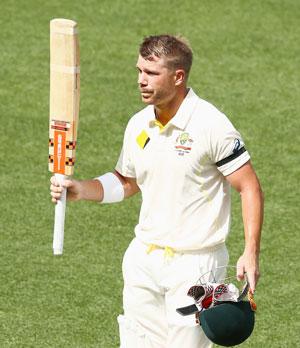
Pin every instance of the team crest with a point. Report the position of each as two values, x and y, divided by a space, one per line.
183 144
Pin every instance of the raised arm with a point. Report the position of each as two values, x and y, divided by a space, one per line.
91 190
245 181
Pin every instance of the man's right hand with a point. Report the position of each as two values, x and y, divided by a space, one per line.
90 190
73 189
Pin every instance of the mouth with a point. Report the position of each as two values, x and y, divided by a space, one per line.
146 96
145 92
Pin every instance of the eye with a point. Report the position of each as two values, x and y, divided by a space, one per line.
152 73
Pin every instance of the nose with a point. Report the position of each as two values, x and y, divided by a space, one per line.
142 81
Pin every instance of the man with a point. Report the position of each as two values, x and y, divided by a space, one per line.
183 155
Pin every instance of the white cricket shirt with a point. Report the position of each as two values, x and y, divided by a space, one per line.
180 171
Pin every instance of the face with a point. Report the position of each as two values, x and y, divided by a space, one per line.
157 82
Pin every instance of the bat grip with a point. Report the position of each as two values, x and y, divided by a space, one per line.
59 221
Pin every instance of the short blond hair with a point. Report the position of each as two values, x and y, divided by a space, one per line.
174 49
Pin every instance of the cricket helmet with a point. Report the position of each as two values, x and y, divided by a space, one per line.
228 323
225 317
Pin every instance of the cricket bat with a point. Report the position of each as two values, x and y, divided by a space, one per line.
64 112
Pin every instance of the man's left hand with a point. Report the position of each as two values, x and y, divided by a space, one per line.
249 264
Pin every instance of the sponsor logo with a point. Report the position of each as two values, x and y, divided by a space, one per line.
59 151
59 155
237 145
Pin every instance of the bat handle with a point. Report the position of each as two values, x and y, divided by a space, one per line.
59 221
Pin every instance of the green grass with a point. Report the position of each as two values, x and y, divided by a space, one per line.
246 63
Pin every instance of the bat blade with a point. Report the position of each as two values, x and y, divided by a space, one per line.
64 112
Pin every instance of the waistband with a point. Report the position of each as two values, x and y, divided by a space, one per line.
170 251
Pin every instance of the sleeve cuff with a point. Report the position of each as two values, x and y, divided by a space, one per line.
126 173
235 164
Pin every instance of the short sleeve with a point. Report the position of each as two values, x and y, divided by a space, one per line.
227 148
125 165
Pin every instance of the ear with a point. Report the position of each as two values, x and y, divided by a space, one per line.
179 77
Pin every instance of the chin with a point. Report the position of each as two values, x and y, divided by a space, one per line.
147 101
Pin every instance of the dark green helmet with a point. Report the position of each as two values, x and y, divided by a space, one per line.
228 323
219 306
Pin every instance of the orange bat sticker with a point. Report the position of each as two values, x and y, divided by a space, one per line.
59 160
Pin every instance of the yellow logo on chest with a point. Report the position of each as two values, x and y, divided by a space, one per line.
183 144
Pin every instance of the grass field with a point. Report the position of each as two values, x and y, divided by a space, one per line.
246 63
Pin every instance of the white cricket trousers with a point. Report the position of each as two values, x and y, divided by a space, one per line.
155 284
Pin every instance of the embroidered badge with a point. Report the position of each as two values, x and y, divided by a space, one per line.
183 144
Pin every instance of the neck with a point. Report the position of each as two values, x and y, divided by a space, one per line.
164 113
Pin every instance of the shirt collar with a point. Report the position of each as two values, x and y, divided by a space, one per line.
183 114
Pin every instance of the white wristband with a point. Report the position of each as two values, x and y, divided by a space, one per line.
113 190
